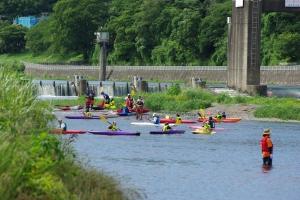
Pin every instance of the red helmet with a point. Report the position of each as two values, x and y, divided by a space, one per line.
102 92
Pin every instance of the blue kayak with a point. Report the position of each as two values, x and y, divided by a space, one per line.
126 114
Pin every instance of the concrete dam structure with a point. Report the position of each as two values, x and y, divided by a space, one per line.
244 37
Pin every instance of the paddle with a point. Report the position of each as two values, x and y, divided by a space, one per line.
132 93
104 119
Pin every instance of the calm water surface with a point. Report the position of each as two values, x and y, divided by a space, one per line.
225 165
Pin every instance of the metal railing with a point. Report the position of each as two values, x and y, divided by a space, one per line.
149 68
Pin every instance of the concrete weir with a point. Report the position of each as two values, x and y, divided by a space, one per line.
244 37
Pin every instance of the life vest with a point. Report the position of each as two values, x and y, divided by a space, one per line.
140 102
219 117
113 128
211 124
65 128
157 120
89 114
166 128
264 145
206 127
178 120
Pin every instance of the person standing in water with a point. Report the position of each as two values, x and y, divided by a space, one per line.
266 148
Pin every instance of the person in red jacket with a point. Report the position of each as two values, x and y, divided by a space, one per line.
266 148
87 103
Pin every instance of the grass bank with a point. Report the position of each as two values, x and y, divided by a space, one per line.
36 164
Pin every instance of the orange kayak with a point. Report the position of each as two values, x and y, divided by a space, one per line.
226 120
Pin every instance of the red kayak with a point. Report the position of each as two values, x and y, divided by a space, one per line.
145 110
173 121
57 131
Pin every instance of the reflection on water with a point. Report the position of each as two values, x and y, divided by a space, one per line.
225 165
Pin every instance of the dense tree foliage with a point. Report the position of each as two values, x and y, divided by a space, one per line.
153 32
15 8
12 38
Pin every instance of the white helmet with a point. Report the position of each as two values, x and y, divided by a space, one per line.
154 114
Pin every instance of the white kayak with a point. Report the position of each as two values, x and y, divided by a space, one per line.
149 124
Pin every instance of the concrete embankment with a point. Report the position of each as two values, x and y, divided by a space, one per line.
266 76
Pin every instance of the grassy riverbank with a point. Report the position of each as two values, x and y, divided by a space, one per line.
36 164
185 100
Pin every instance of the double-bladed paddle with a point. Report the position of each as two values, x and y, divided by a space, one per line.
104 119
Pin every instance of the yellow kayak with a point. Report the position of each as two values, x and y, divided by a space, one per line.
203 131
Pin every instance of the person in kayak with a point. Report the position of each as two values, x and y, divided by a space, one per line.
88 114
211 123
223 115
156 119
166 127
106 97
125 109
61 125
206 125
266 148
178 119
112 104
113 126
218 116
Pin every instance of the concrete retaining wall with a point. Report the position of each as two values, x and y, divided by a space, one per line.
267 77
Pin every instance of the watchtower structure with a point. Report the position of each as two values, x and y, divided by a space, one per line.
244 36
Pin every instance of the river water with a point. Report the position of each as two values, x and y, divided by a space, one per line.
225 165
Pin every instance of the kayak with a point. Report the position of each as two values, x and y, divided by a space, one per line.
148 124
200 127
126 114
227 120
172 131
114 132
203 131
145 110
184 121
57 131
71 108
97 108
93 117
217 120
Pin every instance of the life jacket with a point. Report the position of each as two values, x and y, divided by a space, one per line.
178 120
166 128
157 121
206 127
211 124
140 102
219 117
65 128
113 128
264 145
89 114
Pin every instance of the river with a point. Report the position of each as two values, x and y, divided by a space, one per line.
225 165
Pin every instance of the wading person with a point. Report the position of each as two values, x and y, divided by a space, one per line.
139 109
266 148
61 125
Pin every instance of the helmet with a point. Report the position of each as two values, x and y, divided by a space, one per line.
223 113
102 92
154 114
210 118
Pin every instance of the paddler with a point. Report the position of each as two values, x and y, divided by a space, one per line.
218 116
61 125
166 127
266 148
206 126
113 126
156 119
178 119
88 114
211 123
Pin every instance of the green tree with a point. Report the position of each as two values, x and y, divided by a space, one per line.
287 47
14 8
38 38
12 38
73 25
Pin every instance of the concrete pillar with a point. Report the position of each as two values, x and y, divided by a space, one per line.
102 71
82 88
142 86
